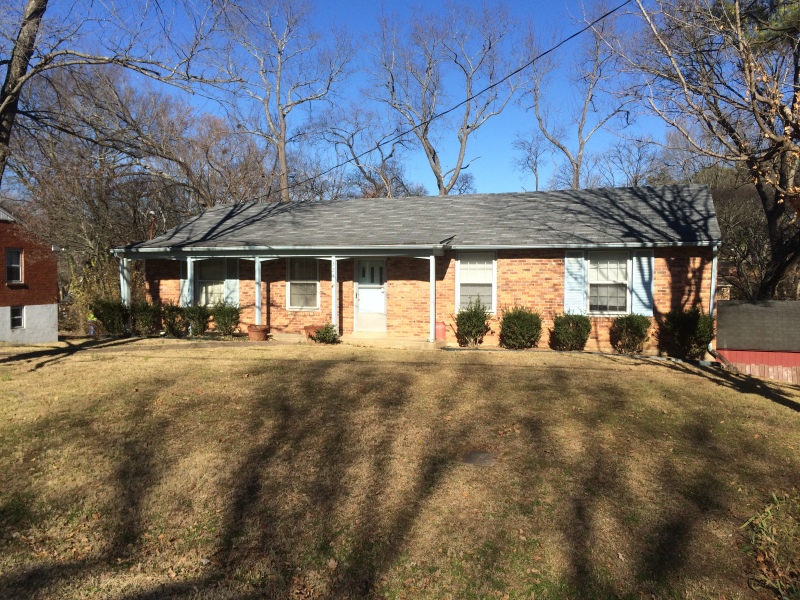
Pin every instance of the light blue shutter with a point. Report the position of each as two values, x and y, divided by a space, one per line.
642 283
184 299
232 281
574 282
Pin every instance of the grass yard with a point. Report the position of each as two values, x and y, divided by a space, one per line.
143 470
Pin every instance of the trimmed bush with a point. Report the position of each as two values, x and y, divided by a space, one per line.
520 327
226 317
472 323
145 318
690 332
629 333
570 332
198 317
113 314
175 322
326 334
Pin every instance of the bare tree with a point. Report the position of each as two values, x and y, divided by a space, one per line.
628 163
278 64
569 137
147 131
532 149
460 49
372 146
731 72
39 39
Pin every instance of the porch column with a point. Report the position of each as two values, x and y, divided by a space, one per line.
190 280
125 281
334 293
432 260
258 290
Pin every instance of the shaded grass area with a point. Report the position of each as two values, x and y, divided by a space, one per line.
153 470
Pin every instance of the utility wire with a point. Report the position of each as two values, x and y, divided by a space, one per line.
404 133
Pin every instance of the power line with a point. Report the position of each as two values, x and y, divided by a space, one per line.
404 133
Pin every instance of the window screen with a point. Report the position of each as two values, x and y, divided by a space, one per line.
608 281
210 281
475 279
17 317
13 266
303 283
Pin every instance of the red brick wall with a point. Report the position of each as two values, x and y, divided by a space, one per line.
39 268
533 278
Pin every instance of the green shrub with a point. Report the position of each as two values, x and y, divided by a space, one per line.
198 316
175 322
113 314
145 318
775 541
690 332
629 333
520 327
226 317
326 334
570 332
472 323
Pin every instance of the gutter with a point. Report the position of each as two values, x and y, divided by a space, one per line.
437 249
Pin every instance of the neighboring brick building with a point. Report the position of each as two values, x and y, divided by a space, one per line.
29 293
403 264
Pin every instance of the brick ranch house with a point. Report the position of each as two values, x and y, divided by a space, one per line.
29 294
397 266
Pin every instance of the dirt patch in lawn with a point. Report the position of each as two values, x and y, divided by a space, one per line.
181 470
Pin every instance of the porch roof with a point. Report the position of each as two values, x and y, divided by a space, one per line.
609 217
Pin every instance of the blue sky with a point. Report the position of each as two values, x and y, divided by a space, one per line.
494 170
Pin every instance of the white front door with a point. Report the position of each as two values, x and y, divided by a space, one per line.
370 304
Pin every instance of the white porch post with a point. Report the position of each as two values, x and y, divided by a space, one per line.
432 260
125 281
258 290
190 280
334 293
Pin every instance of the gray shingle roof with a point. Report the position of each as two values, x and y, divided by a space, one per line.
769 325
613 216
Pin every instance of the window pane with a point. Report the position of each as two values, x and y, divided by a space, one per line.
211 292
13 265
17 317
474 291
476 268
303 295
608 267
608 297
302 269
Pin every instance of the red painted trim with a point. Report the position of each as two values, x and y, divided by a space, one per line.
761 357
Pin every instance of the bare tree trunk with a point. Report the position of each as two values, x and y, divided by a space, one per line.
21 55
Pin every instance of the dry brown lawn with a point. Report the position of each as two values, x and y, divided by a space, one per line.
153 469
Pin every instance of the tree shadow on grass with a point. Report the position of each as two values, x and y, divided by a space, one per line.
52 355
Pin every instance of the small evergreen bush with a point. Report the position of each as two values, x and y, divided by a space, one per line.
520 327
472 323
113 314
570 332
175 322
629 333
198 316
226 317
145 318
326 334
690 331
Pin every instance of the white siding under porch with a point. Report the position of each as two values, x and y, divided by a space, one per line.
40 325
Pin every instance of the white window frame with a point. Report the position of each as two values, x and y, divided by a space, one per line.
289 282
494 278
600 313
11 317
198 283
21 254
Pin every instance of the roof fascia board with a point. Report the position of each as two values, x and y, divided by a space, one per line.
464 247
275 252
